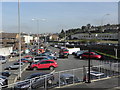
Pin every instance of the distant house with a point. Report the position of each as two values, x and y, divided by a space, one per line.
54 37
11 40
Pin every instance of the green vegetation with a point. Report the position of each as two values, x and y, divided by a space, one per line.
107 55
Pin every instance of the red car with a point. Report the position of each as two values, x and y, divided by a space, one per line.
92 55
64 52
51 64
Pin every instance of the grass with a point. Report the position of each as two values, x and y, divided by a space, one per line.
107 55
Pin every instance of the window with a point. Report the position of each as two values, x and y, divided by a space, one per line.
45 62
86 53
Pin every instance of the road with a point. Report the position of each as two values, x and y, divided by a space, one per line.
68 63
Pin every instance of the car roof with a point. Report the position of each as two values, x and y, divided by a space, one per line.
4 77
95 73
48 60
66 75
39 73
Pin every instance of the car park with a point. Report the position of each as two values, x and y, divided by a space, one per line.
67 78
92 55
43 64
35 81
3 59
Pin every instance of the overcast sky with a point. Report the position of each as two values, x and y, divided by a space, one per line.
57 15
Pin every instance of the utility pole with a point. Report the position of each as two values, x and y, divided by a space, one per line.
19 30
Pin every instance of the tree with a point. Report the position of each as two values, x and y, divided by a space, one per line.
62 31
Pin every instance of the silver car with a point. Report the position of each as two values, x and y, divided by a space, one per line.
3 59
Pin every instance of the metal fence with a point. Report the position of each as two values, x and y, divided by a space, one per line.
103 69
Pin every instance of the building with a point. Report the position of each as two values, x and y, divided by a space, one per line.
28 39
54 37
100 36
11 40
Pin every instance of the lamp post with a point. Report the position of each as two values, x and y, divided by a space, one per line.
37 21
65 38
102 20
19 30
89 81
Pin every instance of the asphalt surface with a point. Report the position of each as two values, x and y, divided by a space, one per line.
106 84
72 63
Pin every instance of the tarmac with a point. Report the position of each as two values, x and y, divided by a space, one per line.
109 83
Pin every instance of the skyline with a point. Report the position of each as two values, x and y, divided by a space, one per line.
58 15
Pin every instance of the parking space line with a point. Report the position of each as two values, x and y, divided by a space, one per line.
62 59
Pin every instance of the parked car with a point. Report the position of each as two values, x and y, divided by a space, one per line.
36 80
79 53
3 81
96 75
93 55
3 59
68 79
64 53
51 64
25 60
7 74
28 57
39 58
15 65
49 56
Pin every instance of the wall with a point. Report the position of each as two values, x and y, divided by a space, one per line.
6 51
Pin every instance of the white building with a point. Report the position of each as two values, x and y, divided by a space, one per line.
100 36
27 38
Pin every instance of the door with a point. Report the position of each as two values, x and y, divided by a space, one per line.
44 64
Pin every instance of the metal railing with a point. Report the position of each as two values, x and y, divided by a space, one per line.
62 78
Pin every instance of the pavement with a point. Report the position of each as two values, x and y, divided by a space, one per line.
110 83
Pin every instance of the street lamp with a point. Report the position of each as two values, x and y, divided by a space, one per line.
19 30
37 21
89 81
65 38
102 20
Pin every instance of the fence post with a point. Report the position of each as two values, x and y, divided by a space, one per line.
30 83
115 52
45 82
59 79
73 76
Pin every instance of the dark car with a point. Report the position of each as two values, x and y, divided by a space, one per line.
63 53
68 79
79 53
25 60
7 74
3 81
49 56
37 80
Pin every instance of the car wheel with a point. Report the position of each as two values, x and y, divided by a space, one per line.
35 68
80 57
49 82
51 68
